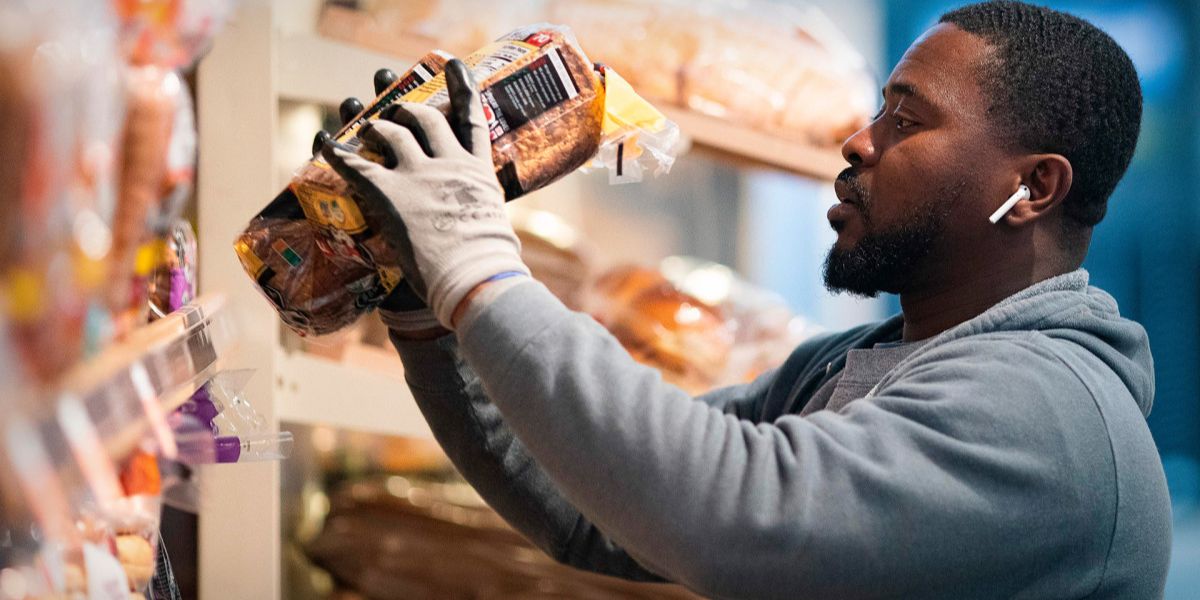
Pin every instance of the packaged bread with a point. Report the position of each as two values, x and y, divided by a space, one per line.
545 103
317 282
688 341
648 42
153 94
314 261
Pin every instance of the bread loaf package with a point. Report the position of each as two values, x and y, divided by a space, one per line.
545 103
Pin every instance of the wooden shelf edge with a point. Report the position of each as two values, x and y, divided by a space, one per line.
756 146
365 391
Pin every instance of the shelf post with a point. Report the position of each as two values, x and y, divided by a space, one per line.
239 536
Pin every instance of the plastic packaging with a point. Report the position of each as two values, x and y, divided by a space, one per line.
696 321
253 447
637 137
780 68
170 33
688 340
58 66
765 329
154 93
222 427
547 112
172 284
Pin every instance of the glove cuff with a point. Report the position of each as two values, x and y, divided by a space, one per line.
446 294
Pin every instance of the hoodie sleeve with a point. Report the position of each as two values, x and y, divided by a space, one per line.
471 432
979 472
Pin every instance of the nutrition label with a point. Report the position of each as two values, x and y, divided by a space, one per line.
522 96
483 64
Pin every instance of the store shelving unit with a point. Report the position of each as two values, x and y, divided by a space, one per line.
125 392
269 57
314 69
131 386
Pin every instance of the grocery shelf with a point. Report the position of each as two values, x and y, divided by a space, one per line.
128 388
364 390
316 68
757 146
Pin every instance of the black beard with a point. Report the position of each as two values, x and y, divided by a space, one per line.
889 261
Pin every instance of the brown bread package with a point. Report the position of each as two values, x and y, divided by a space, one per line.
545 104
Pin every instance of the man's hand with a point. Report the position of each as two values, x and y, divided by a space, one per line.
402 311
442 184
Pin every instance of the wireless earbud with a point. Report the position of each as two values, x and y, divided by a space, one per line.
1022 194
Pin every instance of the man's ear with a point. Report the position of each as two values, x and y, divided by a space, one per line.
1048 177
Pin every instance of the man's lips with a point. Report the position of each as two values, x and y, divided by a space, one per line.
840 213
845 192
849 205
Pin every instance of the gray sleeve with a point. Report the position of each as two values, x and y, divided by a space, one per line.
977 474
470 429
743 401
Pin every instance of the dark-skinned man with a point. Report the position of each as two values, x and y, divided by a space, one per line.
988 442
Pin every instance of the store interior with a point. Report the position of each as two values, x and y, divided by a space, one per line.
170 432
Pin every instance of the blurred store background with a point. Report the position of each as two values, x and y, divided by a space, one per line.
366 505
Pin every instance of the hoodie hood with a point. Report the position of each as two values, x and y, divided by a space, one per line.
1067 308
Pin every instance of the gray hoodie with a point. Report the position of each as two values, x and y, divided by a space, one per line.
1007 457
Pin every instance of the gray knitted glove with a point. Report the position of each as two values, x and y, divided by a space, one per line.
402 311
451 222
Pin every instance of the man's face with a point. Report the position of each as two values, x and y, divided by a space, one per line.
922 173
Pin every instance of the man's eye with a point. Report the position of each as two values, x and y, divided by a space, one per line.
902 123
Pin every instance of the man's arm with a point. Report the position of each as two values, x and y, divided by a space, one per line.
934 487
472 433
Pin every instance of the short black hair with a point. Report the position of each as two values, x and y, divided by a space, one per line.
1059 84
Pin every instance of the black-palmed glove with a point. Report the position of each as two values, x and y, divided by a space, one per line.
402 311
441 182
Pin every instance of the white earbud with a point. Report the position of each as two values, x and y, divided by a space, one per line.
1022 194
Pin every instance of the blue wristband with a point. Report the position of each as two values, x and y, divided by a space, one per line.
502 275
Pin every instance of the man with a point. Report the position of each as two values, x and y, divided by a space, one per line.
989 442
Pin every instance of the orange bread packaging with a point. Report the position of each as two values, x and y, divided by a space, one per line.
314 251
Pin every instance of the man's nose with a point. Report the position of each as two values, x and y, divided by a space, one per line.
859 149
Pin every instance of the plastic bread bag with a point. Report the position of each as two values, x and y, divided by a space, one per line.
134 519
313 264
650 43
169 33
637 137
780 69
461 25
545 103
221 426
317 281
153 94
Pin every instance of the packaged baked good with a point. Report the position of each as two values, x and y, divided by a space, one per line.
781 69
153 95
650 43
660 326
547 112
318 281
58 103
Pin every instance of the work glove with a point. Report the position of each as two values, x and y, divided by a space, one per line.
402 311
450 222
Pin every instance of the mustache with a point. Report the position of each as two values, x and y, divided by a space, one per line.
850 178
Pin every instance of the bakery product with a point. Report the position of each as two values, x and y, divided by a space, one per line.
689 341
137 558
153 93
616 289
317 282
545 108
